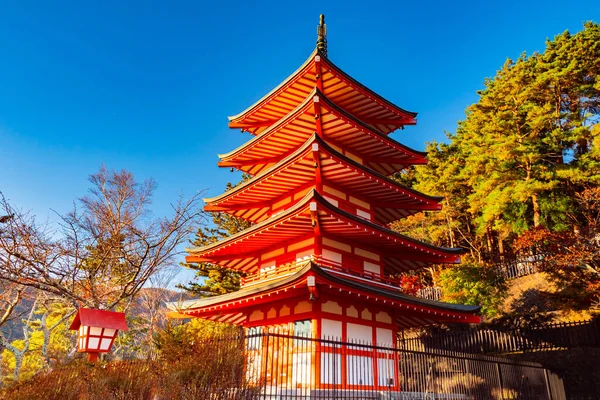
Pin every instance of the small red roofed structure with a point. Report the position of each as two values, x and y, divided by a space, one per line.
97 330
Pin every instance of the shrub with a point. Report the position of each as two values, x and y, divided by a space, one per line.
474 285
196 361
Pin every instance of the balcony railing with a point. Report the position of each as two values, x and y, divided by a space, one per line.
272 274
289 268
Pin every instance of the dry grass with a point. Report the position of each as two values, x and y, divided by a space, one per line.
536 294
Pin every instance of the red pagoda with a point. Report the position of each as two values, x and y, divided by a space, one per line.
319 255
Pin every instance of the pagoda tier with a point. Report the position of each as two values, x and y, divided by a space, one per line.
319 72
319 114
284 298
314 227
316 165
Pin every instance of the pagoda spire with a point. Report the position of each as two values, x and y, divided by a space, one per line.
322 36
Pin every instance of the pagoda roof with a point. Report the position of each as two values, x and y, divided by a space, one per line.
339 128
412 311
242 251
252 200
338 85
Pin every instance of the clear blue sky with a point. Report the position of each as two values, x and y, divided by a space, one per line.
147 86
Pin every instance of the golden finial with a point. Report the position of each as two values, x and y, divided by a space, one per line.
322 36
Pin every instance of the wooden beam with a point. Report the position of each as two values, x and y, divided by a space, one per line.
257 124
318 74
317 111
429 205
400 121
234 164
262 204
205 258
314 216
396 160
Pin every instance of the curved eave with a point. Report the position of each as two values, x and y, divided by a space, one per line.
244 292
418 157
296 111
247 297
381 99
302 206
368 224
368 127
254 228
288 160
323 147
306 64
305 147
396 116
394 294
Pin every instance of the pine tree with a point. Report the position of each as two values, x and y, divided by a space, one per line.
523 151
216 280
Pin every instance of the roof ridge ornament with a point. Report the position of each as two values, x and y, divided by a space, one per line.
322 36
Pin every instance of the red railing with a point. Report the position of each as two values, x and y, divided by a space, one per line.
372 277
289 268
277 272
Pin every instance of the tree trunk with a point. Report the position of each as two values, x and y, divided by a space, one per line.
448 218
450 233
46 343
501 248
537 216
18 365
488 236
433 275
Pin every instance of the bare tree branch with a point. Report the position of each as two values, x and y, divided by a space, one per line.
102 252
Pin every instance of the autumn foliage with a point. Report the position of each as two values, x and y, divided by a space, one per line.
410 284
571 258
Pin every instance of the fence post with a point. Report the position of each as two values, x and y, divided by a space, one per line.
500 384
548 388
266 363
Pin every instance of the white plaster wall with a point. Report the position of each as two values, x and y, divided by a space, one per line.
384 337
363 214
332 256
331 329
385 372
361 333
359 370
372 267
331 368
301 372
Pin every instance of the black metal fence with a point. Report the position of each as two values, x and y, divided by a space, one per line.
553 336
299 367
274 366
